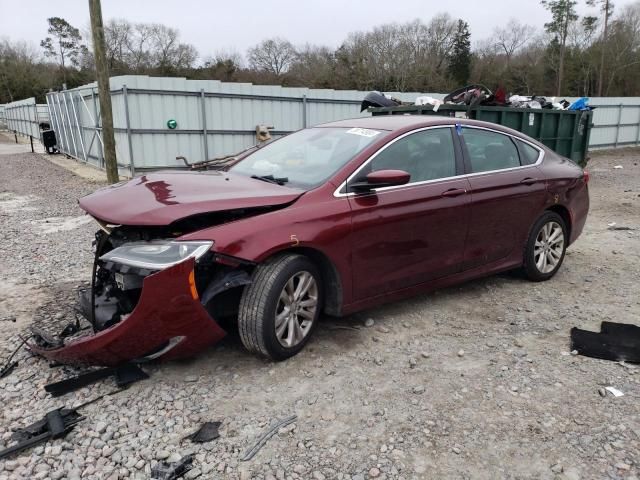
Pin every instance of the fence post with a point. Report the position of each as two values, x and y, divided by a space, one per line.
304 111
204 124
36 123
620 107
73 137
128 125
80 131
98 130
638 137
64 134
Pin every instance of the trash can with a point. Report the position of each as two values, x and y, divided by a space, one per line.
566 132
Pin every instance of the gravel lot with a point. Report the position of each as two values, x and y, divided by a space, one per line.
473 382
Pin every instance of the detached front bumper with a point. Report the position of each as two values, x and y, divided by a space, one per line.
168 322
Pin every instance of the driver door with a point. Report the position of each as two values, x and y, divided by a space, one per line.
410 234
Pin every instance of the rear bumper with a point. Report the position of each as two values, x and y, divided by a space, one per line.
167 321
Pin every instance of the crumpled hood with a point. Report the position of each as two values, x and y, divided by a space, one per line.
164 197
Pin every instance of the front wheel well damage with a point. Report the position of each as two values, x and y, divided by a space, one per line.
330 278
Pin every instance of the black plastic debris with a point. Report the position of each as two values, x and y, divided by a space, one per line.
124 375
207 432
377 99
8 368
615 341
45 339
251 452
11 364
55 424
171 471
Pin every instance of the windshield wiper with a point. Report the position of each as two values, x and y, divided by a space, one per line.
271 179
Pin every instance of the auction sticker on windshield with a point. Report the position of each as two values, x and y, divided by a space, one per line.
363 132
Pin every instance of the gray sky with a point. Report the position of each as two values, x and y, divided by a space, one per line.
238 24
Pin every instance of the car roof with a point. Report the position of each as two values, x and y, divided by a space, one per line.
410 122
390 122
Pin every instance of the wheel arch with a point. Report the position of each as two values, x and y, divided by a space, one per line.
333 293
565 214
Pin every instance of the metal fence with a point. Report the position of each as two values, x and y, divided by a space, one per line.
3 122
616 122
25 117
213 118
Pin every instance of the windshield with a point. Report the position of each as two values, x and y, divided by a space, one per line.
307 158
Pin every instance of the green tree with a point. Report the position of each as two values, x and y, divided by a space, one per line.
460 57
563 14
64 43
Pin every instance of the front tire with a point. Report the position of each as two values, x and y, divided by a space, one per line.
546 247
280 308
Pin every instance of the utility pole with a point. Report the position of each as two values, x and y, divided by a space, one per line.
104 94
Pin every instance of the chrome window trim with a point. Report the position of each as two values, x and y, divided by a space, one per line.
338 194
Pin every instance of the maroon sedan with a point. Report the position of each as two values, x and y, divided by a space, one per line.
334 219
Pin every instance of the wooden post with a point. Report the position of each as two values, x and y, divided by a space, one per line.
104 94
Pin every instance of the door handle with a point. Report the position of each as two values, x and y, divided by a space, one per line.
528 181
454 192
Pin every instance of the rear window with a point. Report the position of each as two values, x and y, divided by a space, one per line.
528 154
490 151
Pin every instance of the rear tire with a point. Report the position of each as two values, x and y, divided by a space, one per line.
280 308
546 247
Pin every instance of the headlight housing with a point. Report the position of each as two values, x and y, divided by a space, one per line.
157 254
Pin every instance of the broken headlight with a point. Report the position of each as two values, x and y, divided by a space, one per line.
156 255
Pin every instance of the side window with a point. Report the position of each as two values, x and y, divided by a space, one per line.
490 150
425 155
528 154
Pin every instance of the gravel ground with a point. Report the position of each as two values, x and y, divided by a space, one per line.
472 382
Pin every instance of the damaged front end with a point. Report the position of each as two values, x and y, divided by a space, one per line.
151 297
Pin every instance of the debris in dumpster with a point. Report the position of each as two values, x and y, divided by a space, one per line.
469 95
125 375
172 471
425 100
615 341
377 99
207 432
614 391
581 104
55 424
250 453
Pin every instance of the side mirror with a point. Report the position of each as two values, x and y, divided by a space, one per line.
381 178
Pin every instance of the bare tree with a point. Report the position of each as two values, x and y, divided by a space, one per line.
118 35
274 55
511 38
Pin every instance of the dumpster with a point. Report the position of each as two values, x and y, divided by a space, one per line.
566 132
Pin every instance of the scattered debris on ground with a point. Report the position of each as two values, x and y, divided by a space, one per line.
517 404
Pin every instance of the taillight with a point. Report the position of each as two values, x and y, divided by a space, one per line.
585 176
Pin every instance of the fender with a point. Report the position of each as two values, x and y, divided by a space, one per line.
324 227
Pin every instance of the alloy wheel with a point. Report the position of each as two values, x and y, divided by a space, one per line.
549 246
296 309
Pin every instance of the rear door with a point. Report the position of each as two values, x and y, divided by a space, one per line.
409 234
507 193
